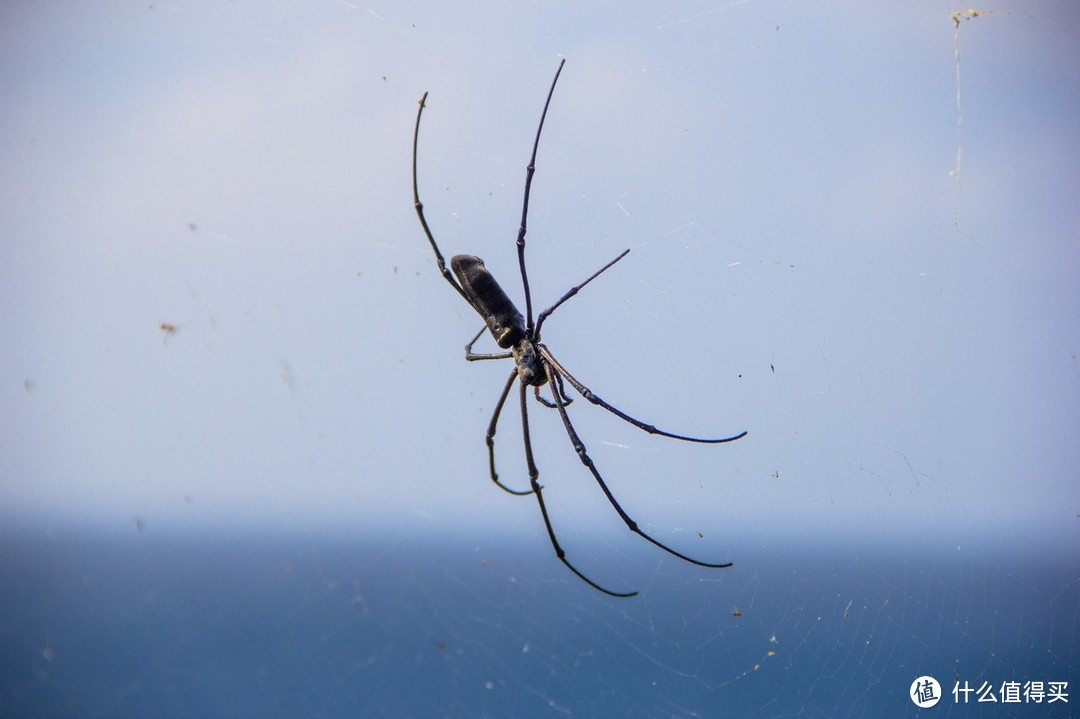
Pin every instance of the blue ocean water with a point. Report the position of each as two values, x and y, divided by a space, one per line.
370 626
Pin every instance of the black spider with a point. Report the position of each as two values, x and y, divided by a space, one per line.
534 365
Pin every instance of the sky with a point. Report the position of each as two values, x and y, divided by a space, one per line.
852 231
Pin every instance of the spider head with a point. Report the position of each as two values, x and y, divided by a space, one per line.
529 367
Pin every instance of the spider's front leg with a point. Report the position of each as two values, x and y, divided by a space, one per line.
553 372
547 402
534 480
591 396
489 438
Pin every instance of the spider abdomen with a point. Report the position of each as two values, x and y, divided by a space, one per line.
489 300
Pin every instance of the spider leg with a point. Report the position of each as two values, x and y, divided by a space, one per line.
534 480
571 292
525 203
489 438
420 207
583 455
473 357
595 399
548 403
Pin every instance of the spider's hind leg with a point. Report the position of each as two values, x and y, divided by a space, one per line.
419 206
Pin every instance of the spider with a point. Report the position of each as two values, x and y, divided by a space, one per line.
534 364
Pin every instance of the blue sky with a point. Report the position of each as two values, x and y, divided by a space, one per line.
805 265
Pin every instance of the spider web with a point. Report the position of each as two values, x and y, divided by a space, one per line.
346 624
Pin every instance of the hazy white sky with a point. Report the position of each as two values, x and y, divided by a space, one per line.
782 172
